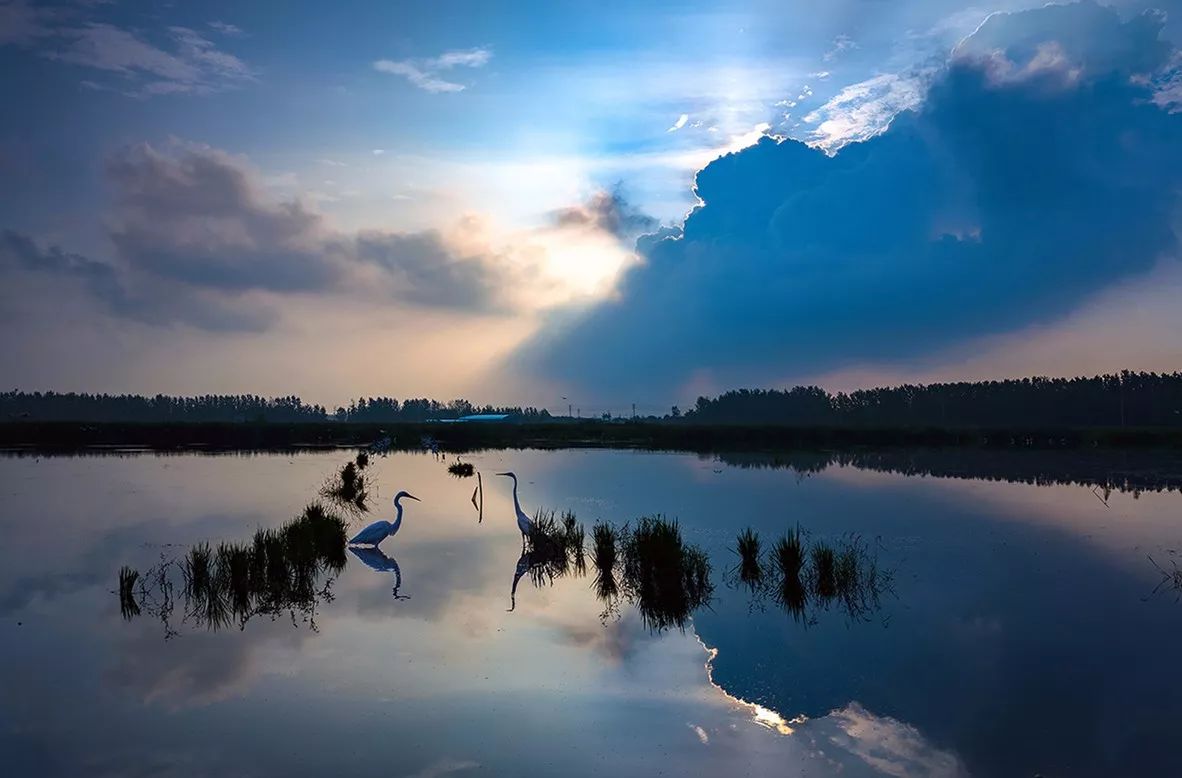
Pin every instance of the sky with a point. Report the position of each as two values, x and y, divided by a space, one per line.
597 204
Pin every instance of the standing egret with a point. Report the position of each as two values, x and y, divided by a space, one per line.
524 523
380 530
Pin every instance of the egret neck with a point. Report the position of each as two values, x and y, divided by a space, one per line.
398 517
516 504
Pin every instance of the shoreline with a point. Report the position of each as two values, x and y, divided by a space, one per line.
458 438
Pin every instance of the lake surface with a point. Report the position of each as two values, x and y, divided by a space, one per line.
1020 635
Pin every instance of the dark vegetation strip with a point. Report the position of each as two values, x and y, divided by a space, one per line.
67 436
1125 400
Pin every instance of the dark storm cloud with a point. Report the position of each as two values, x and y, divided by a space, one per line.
607 212
1037 171
151 303
198 218
432 273
17 250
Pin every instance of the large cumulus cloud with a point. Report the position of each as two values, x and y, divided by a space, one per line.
1041 165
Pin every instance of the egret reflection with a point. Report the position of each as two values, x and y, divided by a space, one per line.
373 558
554 549
523 565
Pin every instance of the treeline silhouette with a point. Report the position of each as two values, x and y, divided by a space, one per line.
71 406
1125 399
383 409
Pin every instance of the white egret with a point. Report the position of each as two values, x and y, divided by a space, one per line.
380 530
524 523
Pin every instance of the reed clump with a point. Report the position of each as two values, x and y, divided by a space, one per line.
824 564
348 488
128 607
747 546
604 538
278 570
666 578
461 469
805 578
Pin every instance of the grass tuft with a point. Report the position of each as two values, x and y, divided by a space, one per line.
461 469
747 546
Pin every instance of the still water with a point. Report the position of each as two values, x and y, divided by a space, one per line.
1021 633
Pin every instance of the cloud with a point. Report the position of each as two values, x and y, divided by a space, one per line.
432 271
1167 85
225 28
214 666
155 304
199 217
446 766
189 64
991 206
22 25
677 125
860 111
20 251
197 240
889 746
841 44
183 62
425 73
607 212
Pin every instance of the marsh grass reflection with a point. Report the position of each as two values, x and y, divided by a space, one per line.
788 557
750 571
604 537
349 488
824 576
461 469
284 570
805 580
128 607
1171 579
649 565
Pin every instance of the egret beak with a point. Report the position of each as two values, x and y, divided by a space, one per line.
506 474
412 497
